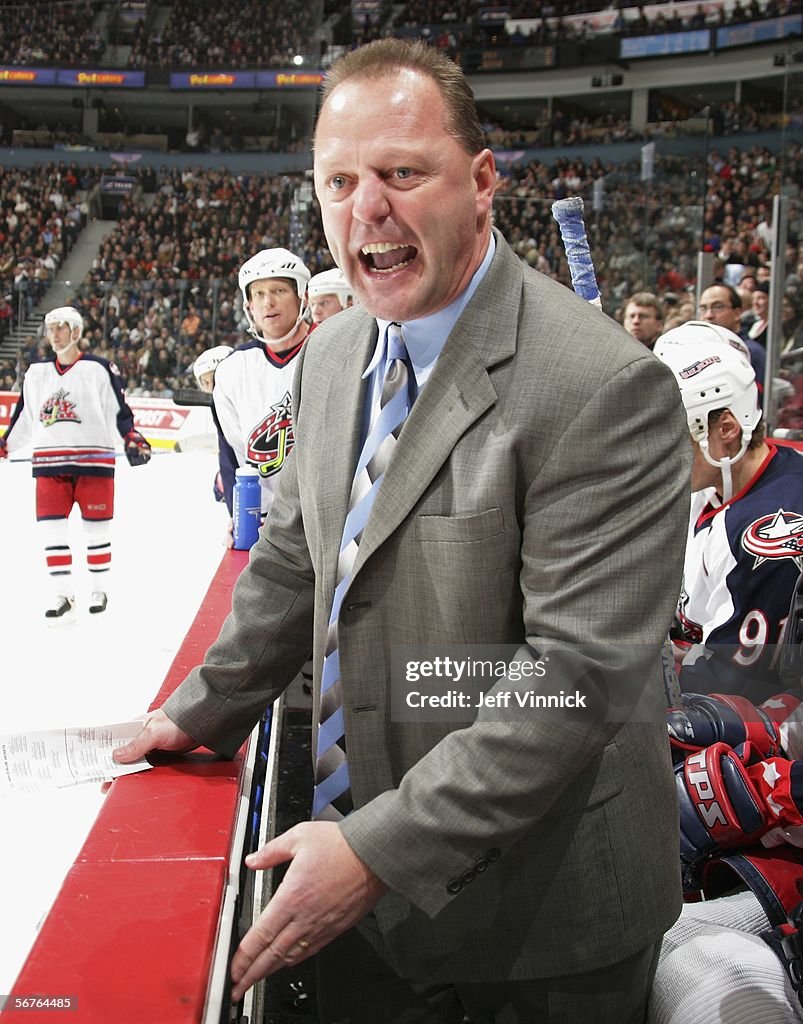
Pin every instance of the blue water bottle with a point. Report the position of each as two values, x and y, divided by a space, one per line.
247 507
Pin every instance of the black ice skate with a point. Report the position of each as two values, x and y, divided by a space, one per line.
97 602
61 612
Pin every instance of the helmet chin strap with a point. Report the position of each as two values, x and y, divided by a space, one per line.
74 347
725 464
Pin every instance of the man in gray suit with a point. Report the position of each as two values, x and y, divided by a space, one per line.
515 865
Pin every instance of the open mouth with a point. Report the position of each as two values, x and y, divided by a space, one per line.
385 257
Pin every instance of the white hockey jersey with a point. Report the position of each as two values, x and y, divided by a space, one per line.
252 406
72 417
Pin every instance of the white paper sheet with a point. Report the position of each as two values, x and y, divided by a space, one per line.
31 762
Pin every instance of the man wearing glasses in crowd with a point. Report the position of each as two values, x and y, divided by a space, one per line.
721 304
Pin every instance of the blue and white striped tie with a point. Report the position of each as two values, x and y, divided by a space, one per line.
332 797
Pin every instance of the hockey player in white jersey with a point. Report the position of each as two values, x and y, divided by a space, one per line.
71 411
203 370
745 547
205 365
253 385
328 293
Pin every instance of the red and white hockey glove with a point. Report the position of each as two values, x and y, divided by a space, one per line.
779 783
3 448
726 804
720 807
137 449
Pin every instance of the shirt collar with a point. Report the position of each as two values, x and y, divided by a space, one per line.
425 337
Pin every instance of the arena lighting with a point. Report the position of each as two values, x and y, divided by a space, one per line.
298 60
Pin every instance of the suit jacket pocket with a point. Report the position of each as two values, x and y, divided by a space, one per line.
476 526
465 588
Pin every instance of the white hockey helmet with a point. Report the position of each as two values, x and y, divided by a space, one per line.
712 368
65 315
273 263
702 332
208 361
331 282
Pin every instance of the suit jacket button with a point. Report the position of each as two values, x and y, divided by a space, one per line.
468 876
481 865
493 854
454 886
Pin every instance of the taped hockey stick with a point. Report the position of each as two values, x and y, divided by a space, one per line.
191 396
569 215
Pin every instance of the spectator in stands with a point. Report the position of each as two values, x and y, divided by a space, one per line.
252 34
644 317
721 304
191 323
748 280
6 313
761 310
791 323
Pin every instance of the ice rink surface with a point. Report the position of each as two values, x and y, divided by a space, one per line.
167 542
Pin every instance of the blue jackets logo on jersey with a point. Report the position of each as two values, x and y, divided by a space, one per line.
271 441
778 535
56 409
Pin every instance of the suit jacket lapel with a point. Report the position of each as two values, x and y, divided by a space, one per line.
457 393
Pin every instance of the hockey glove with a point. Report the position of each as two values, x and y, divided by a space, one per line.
720 717
725 804
720 807
3 448
137 449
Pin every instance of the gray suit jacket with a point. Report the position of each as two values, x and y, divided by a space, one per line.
538 495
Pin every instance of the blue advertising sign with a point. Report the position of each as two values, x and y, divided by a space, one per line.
105 79
212 80
697 41
759 31
289 79
27 76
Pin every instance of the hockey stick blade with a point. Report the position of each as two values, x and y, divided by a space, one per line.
191 396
